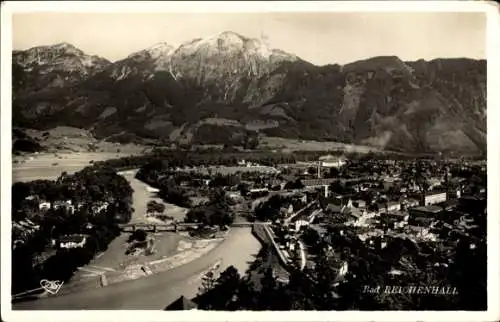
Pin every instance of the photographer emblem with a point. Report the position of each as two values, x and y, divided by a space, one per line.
51 286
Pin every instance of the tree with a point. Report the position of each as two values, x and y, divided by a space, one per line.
251 143
267 298
333 173
470 280
337 187
160 207
20 191
207 282
225 289
373 207
215 213
311 238
154 206
151 206
243 188
421 178
138 235
269 210
172 194
26 145
291 185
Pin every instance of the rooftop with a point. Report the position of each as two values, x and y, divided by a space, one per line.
180 304
355 212
429 209
450 203
473 198
435 192
72 238
330 157
319 229
395 214
333 208
411 200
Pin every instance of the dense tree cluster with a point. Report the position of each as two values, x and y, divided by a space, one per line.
220 180
161 158
214 213
139 235
174 194
155 207
271 209
229 136
169 190
90 187
22 142
292 185
26 145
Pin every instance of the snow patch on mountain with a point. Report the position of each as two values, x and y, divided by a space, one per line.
157 51
229 42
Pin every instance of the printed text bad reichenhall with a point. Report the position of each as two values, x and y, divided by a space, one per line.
411 289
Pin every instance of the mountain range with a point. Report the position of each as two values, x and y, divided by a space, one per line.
229 89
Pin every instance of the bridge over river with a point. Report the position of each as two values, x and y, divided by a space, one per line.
154 227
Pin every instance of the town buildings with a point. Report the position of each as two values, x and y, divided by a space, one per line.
72 241
330 161
434 198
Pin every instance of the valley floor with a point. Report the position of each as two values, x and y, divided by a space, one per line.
49 166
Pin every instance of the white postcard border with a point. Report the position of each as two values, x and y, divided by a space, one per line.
493 68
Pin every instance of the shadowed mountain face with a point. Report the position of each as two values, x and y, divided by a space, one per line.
227 88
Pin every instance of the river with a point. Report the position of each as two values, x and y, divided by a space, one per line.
156 291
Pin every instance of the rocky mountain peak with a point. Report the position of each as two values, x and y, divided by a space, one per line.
243 84
62 55
230 37
232 43
159 50
43 67
390 64
66 46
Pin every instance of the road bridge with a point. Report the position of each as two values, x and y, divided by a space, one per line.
154 227
242 224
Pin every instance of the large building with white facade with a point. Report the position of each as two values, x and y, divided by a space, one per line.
434 198
330 161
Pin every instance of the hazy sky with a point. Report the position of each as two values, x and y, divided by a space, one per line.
320 38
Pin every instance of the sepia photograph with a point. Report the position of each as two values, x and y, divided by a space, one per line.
247 160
